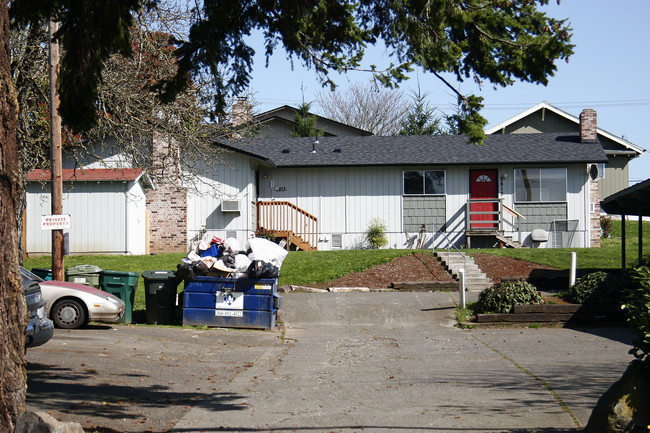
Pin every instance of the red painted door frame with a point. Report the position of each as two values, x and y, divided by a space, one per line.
483 185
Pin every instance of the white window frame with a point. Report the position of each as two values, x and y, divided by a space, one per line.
541 181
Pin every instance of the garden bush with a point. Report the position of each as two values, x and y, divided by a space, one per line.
502 297
597 288
376 234
637 310
606 226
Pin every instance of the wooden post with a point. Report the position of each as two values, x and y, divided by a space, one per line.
55 150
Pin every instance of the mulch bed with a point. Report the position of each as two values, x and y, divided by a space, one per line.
423 267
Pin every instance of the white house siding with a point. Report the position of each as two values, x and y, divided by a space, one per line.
344 200
457 191
106 217
232 180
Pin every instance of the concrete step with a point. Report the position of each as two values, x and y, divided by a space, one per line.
475 279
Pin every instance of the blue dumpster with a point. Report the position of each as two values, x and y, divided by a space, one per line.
231 302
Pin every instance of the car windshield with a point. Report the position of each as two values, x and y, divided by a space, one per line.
30 275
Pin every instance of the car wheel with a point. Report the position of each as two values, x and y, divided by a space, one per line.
68 314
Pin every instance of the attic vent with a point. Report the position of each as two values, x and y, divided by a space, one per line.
337 150
286 150
337 241
230 206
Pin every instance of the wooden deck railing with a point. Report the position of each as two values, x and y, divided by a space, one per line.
284 216
499 222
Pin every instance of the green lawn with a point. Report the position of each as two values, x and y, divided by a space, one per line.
607 257
305 267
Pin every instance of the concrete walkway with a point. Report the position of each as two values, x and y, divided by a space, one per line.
380 362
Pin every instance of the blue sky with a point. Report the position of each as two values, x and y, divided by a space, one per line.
608 72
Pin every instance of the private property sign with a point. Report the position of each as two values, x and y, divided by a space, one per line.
55 222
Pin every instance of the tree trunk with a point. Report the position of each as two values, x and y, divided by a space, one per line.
13 311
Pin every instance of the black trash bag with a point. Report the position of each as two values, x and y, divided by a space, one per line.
228 260
185 272
261 269
200 268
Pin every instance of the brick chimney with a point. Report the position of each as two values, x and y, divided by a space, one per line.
588 126
241 111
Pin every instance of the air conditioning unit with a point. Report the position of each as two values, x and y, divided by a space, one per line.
230 206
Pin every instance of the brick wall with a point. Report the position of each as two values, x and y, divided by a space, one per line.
167 202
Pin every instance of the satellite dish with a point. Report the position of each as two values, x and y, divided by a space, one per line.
592 170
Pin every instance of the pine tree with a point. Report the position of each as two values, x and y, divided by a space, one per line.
421 118
305 122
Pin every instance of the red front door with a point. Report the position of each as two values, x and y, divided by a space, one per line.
483 185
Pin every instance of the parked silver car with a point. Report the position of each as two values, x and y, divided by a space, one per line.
39 328
71 305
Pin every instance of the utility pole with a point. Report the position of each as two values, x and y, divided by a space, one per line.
55 154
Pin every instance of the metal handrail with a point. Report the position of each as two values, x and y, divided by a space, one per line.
461 278
450 245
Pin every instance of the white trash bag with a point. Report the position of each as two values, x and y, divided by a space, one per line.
266 251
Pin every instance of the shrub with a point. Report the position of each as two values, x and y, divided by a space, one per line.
606 226
502 297
266 234
375 235
597 288
643 261
637 310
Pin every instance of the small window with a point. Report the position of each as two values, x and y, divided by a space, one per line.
540 184
424 182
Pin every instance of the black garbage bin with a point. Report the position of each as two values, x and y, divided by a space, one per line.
160 297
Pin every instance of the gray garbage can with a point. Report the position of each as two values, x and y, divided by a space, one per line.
84 274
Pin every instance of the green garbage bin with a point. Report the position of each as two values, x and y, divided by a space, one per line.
84 274
123 285
160 297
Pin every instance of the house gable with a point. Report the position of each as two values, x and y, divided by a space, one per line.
279 122
545 118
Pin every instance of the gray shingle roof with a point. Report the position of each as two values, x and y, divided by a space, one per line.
419 150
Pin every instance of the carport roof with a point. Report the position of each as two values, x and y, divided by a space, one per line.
634 200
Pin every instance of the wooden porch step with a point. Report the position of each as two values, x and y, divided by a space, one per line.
293 239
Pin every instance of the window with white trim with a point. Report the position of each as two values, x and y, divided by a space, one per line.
424 182
540 184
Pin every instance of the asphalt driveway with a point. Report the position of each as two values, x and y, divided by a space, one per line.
344 362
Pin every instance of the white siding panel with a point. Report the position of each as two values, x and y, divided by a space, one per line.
232 180
97 212
578 203
457 189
